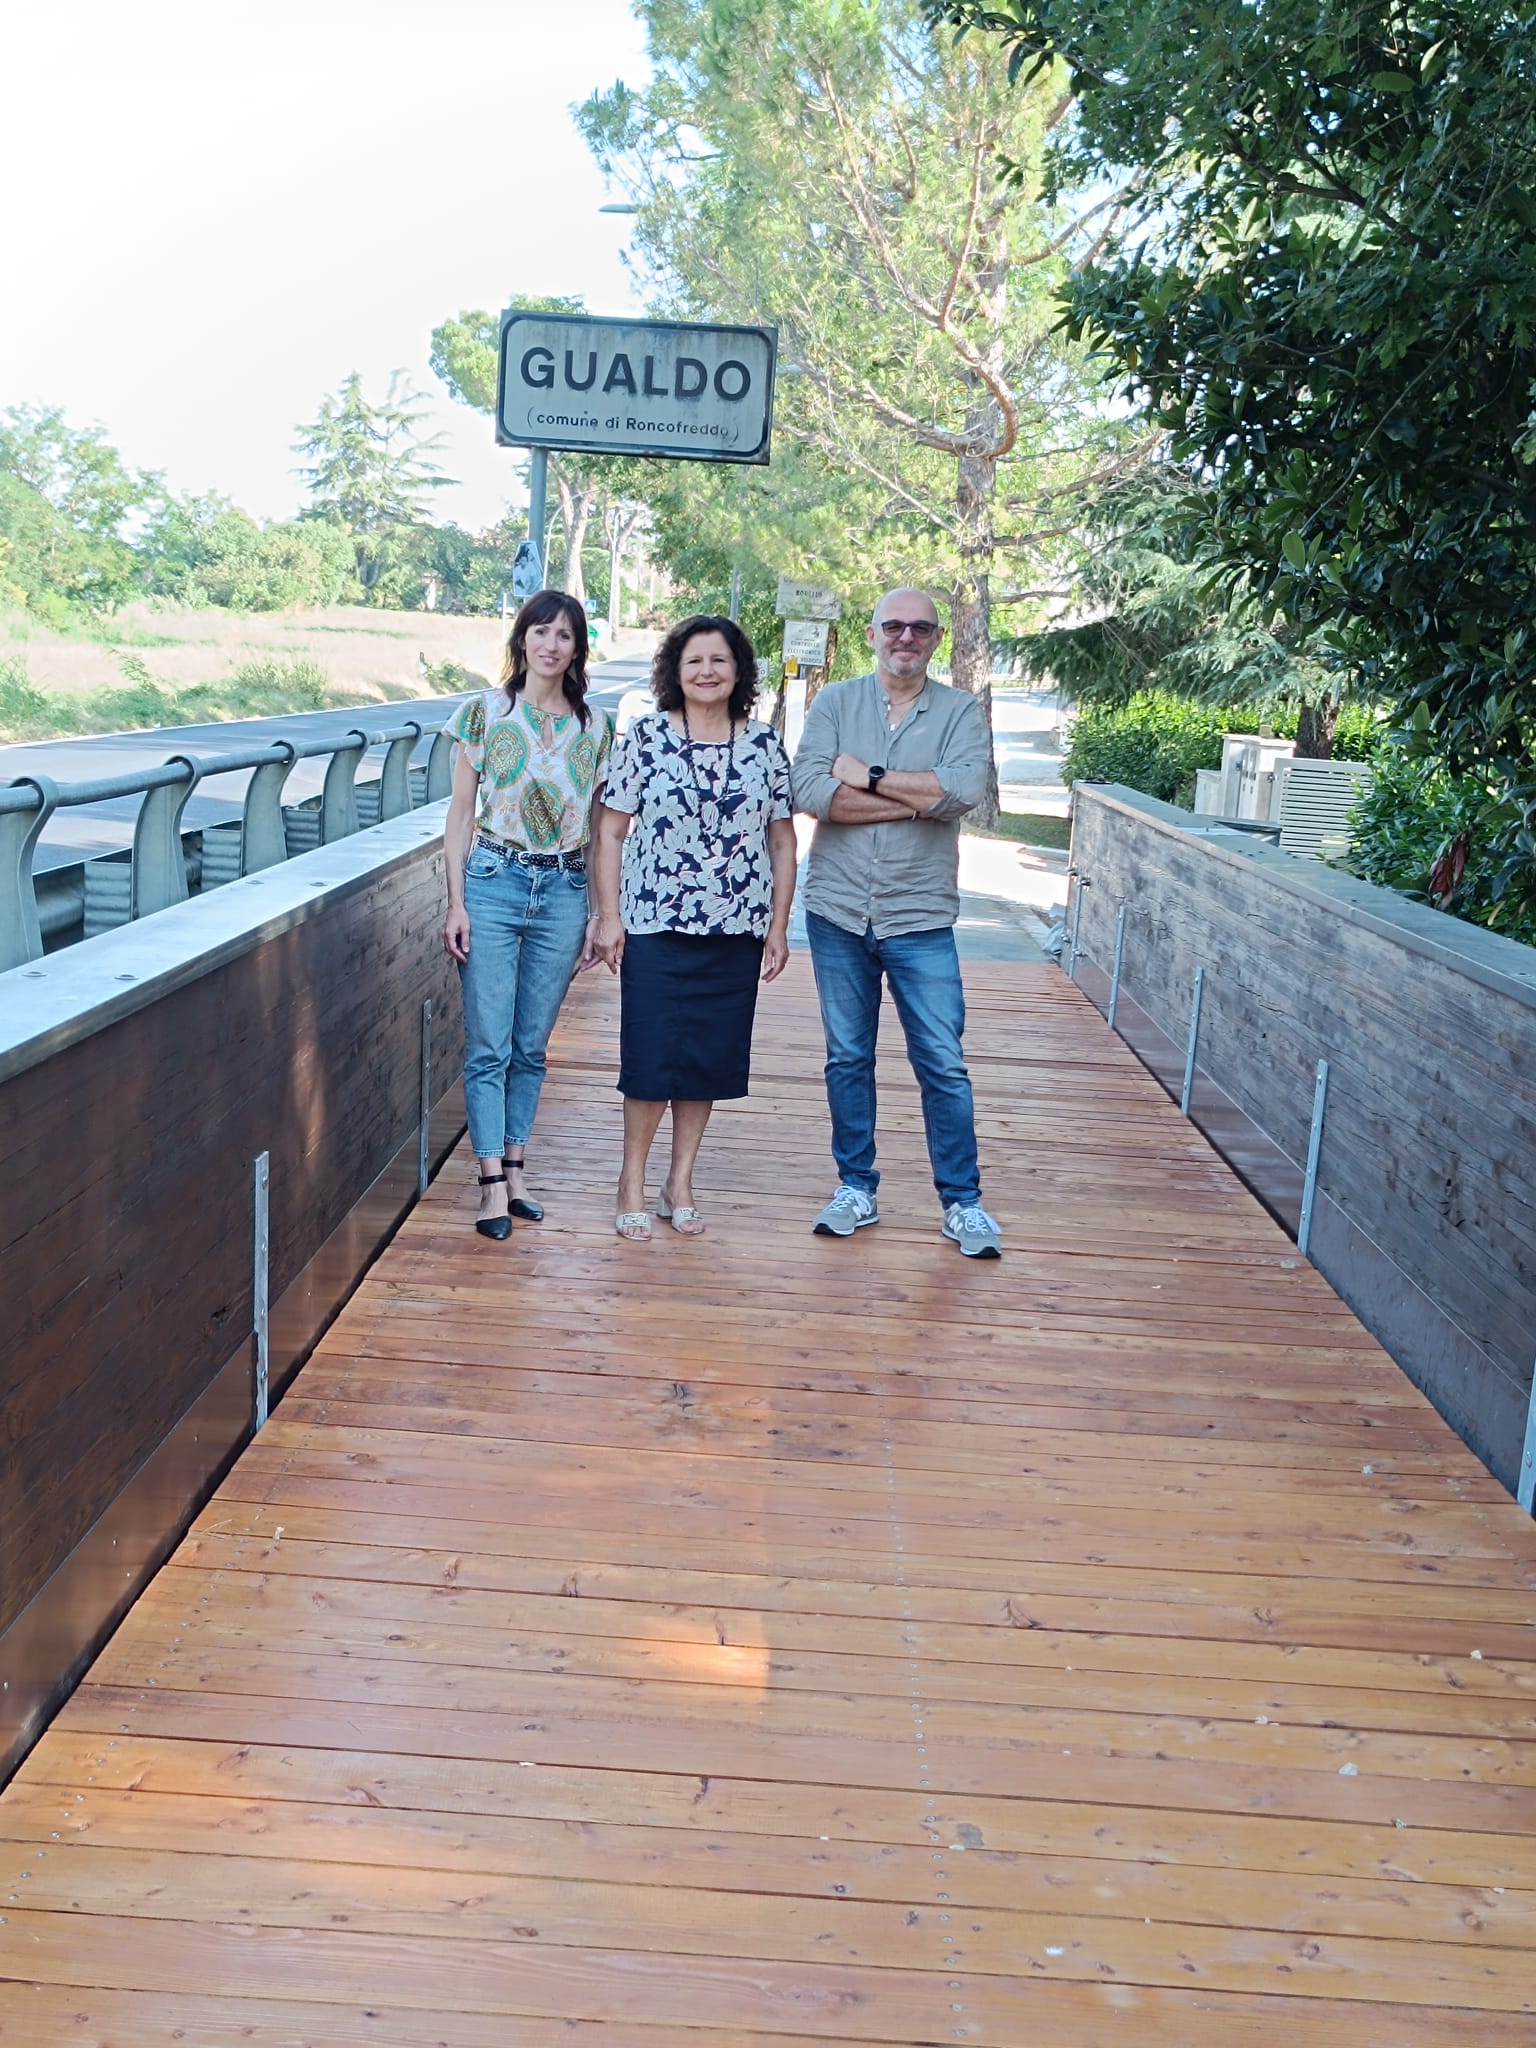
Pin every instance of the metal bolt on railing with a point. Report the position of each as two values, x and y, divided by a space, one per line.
157 868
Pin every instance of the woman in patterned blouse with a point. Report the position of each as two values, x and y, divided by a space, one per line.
530 766
694 873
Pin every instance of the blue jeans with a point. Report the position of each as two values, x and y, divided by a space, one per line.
526 927
923 969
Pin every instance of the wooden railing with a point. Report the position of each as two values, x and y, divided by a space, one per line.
1367 1063
213 1119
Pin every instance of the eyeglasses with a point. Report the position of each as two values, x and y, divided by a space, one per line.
920 629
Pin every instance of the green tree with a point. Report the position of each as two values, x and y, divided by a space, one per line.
66 496
369 470
1325 290
1148 618
833 167
206 551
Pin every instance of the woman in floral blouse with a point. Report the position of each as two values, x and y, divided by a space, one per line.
530 765
694 873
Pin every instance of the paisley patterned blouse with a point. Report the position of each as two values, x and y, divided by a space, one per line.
696 858
537 774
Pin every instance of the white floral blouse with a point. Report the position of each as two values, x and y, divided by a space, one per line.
696 858
538 773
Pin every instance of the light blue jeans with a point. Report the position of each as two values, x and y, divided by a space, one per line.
923 970
526 927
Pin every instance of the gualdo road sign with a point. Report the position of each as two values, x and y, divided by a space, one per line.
635 387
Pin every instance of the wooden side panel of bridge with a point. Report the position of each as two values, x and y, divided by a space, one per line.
769 1641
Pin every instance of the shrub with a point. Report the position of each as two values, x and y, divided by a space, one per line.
1415 812
25 713
1153 742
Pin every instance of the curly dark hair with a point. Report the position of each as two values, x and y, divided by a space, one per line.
666 681
543 606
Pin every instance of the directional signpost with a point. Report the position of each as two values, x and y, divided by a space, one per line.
682 392
810 613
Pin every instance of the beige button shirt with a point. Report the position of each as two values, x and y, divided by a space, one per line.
902 877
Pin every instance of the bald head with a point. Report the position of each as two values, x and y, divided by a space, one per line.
906 603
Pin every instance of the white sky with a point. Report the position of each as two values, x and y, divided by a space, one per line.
218 208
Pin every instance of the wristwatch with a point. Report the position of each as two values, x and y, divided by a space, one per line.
876 777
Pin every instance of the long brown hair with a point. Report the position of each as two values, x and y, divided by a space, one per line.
540 609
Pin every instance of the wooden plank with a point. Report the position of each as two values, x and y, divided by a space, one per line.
768 1641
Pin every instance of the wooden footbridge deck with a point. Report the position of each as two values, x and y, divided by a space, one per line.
768 1641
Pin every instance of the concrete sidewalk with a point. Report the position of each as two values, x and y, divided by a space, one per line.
1007 893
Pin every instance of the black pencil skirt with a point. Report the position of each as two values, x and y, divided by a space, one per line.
686 1007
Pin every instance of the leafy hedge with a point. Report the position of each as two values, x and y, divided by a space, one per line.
1155 741
1413 814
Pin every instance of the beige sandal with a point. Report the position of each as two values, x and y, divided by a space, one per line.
686 1221
633 1225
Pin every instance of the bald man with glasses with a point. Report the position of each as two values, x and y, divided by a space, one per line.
888 766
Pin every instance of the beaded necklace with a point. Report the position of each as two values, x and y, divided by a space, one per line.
715 798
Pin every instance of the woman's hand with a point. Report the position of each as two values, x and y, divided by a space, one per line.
775 954
589 946
608 942
456 933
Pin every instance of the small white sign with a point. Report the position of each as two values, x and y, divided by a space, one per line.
805 640
807 601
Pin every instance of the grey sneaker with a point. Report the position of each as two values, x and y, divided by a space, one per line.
973 1230
849 1210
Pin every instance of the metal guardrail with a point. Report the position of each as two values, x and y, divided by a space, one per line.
157 862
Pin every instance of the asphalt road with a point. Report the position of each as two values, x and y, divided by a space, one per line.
86 832
1024 725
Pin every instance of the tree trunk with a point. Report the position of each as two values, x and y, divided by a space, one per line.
970 607
1315 729
577 501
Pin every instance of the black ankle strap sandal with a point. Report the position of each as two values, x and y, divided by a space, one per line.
520 1206
497 1227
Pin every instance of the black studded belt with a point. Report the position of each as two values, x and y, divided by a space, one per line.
574 862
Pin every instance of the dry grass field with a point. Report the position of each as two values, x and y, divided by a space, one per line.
364 653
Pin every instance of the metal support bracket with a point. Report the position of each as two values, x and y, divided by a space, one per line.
422 1144
1114 979
263 839
395 778
440 768
1314 1152
1526 1489
1187 1091
21 937
338 795
1073 948
158 877
261 1246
